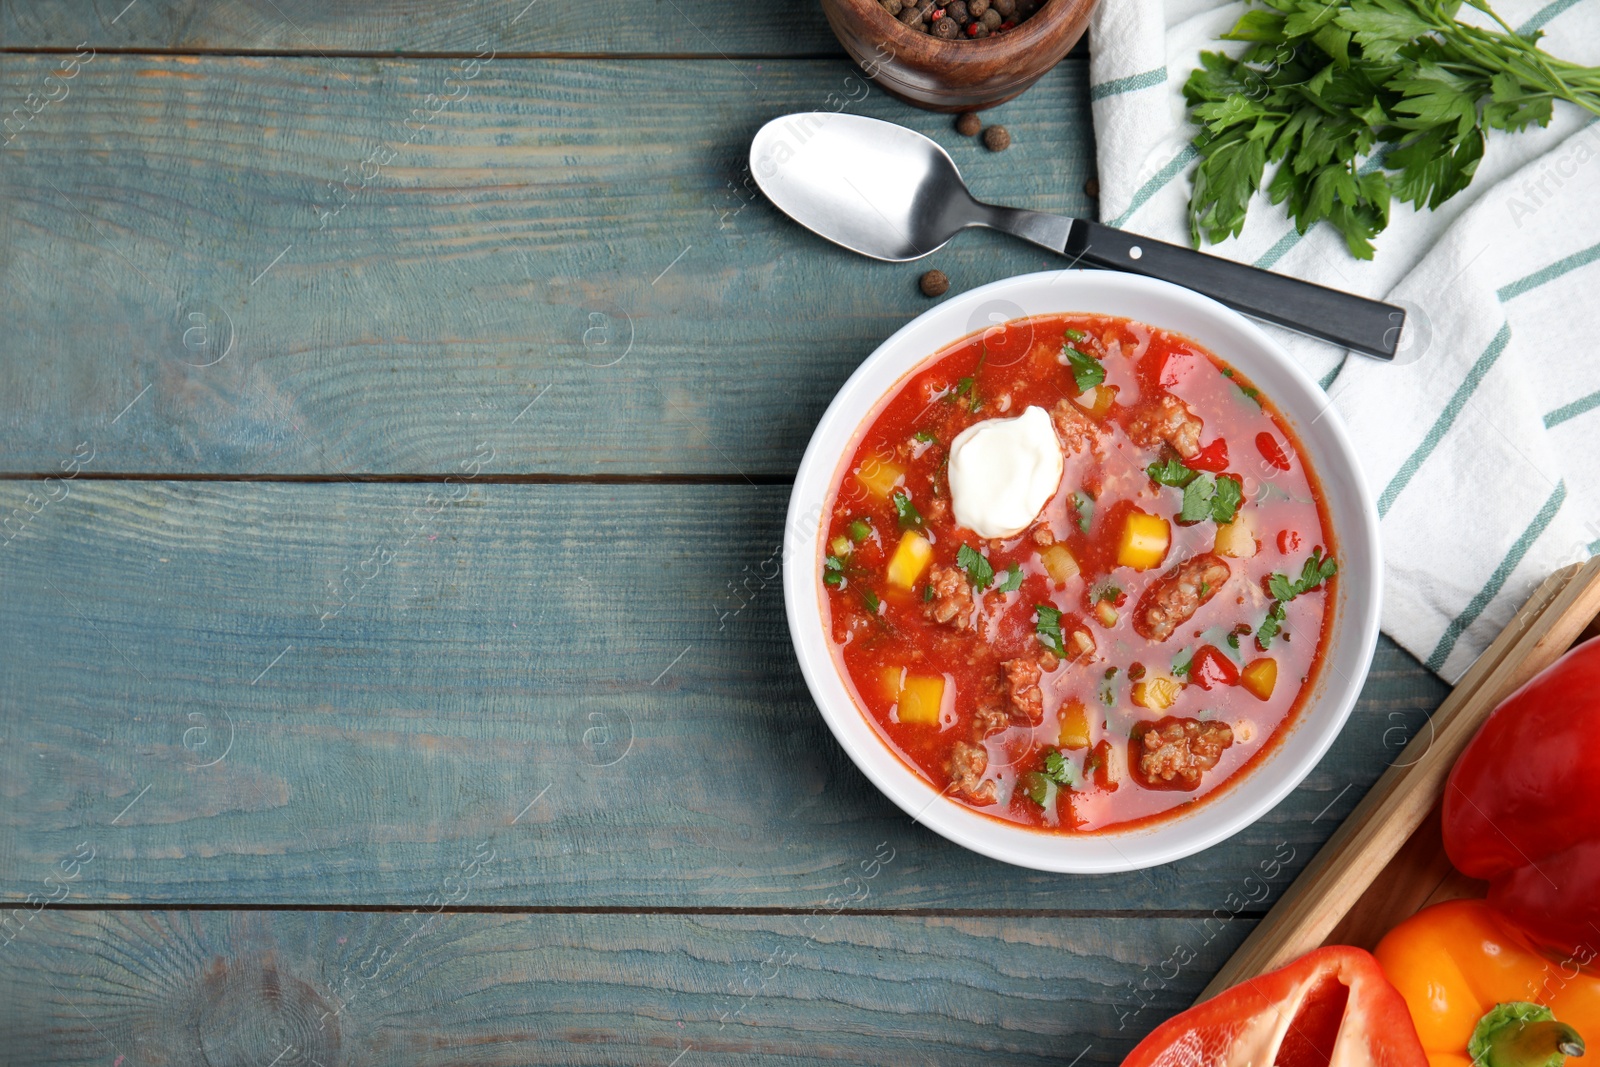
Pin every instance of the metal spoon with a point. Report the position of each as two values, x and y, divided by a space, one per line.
891 193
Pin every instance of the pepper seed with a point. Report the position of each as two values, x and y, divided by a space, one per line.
934 283
996 139
969 124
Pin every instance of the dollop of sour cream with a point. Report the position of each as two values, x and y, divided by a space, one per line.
1003 472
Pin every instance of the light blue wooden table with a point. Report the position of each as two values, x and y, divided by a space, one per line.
397 407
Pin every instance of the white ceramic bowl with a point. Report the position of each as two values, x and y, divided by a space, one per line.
1322 434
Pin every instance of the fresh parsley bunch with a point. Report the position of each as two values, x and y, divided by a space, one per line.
1358 102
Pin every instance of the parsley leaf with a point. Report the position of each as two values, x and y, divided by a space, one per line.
1083 504
927 595
1171 471
976 566
1013 580
910 518
1047 624
925 436
1077 337
1087 371
872 601
1316 570
1056 767
1210 497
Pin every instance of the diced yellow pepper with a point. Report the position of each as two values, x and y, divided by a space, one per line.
1074 725
1105 614
879 478
921 696
891 677
1059 564
1260 677
1098 400
1144 541
1156 692
910 559
840 546
1236 539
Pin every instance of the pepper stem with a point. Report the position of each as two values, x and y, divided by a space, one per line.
1519 1034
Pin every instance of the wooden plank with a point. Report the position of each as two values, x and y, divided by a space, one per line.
596 679
1395 812
220 988
576 233
693 27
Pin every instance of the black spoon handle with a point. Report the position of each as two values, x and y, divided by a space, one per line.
1367 326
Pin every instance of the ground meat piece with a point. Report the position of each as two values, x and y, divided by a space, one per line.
1043 536
966 766
1172 753
990 718
1173 600
1167 419
1075 429
952 597
1022 687
934 509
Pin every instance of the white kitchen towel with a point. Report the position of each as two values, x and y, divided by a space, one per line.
1481 443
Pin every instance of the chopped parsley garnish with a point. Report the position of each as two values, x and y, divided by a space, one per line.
1083 504
1087 371
872 601
925 436
832 570
977 568
832 578
1013 580
1047 624
1171 471
910 518
1105 589
1056 767
927 595
1227 372
1251 393
1317 569
966 387
1108 694
1185 661
860 531
1077 337
1211 497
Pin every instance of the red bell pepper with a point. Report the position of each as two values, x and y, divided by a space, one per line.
1522 805
1332 1005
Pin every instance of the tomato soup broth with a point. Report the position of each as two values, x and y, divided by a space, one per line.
1144 640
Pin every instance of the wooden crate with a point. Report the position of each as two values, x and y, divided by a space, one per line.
1387 860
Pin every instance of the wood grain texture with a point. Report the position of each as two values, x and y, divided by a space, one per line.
577 231
680 27
173 695
339 988
1349 885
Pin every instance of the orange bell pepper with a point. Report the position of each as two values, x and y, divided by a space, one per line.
1479 992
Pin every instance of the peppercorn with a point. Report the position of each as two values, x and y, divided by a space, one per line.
1007 8
1091 188
991 19
934 283
909 15
957 9
977 30
977 7
891 7
996 139
946 29
969 124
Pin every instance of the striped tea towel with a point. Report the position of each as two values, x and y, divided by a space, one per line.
1481 444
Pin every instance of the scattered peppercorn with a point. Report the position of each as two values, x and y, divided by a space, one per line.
969 124
996 139
934 283
1091 188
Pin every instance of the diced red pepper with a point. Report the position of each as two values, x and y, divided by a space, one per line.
1213 458
1331 1006
1211 668
1288 542
1271 450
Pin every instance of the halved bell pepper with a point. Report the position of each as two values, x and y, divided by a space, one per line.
1331 1006
1481 993
1520 805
